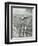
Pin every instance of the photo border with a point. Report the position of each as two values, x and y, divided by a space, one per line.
7 22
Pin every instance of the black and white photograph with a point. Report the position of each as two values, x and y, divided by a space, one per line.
20 22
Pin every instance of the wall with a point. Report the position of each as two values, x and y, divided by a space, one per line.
2 24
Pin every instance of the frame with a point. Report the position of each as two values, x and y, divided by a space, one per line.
20 22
